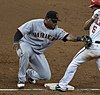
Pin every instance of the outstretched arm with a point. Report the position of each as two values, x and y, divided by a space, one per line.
72 38
85 39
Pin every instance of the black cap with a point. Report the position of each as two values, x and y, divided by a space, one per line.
53 15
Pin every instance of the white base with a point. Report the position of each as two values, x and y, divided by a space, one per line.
52 86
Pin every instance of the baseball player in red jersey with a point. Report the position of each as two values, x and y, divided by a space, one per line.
31 40
85 54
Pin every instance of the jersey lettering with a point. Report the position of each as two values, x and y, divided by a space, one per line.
94 29
42 35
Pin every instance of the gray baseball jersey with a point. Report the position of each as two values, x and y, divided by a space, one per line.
38 36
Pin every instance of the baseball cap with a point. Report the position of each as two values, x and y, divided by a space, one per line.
53 15
94 3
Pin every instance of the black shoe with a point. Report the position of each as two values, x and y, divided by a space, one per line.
58 88
31 81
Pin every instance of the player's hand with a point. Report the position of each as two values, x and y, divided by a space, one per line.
96 14
16 46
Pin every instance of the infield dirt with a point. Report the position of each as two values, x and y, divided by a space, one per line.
73 14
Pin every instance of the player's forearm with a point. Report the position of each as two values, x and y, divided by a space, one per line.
88 24
73 38
18 35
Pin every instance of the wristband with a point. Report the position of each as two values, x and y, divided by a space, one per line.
78 38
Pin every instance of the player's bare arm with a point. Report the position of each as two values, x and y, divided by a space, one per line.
85 39
73 38
96 13
88 24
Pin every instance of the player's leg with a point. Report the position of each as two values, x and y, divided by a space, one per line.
97 53
98 63
40 68
24 54
79 58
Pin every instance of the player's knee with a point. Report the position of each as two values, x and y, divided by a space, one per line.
75 63
46 76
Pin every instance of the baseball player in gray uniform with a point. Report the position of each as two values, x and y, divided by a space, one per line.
85 54
31 40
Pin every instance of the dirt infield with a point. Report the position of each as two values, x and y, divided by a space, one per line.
73 14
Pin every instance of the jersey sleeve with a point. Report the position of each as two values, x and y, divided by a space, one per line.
61 34
26 27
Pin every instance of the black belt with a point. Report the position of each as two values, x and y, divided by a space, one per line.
98 42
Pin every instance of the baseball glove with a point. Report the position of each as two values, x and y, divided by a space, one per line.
87 41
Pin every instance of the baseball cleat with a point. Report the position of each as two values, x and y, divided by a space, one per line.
31 81
69 87
21 84
58 88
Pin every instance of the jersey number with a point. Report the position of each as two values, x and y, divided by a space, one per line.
94 29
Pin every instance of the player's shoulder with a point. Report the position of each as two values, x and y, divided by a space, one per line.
59 29
37 20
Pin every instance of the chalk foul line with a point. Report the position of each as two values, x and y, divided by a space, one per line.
89 89
38 89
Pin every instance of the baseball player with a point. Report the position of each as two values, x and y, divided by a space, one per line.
85 54
31 40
